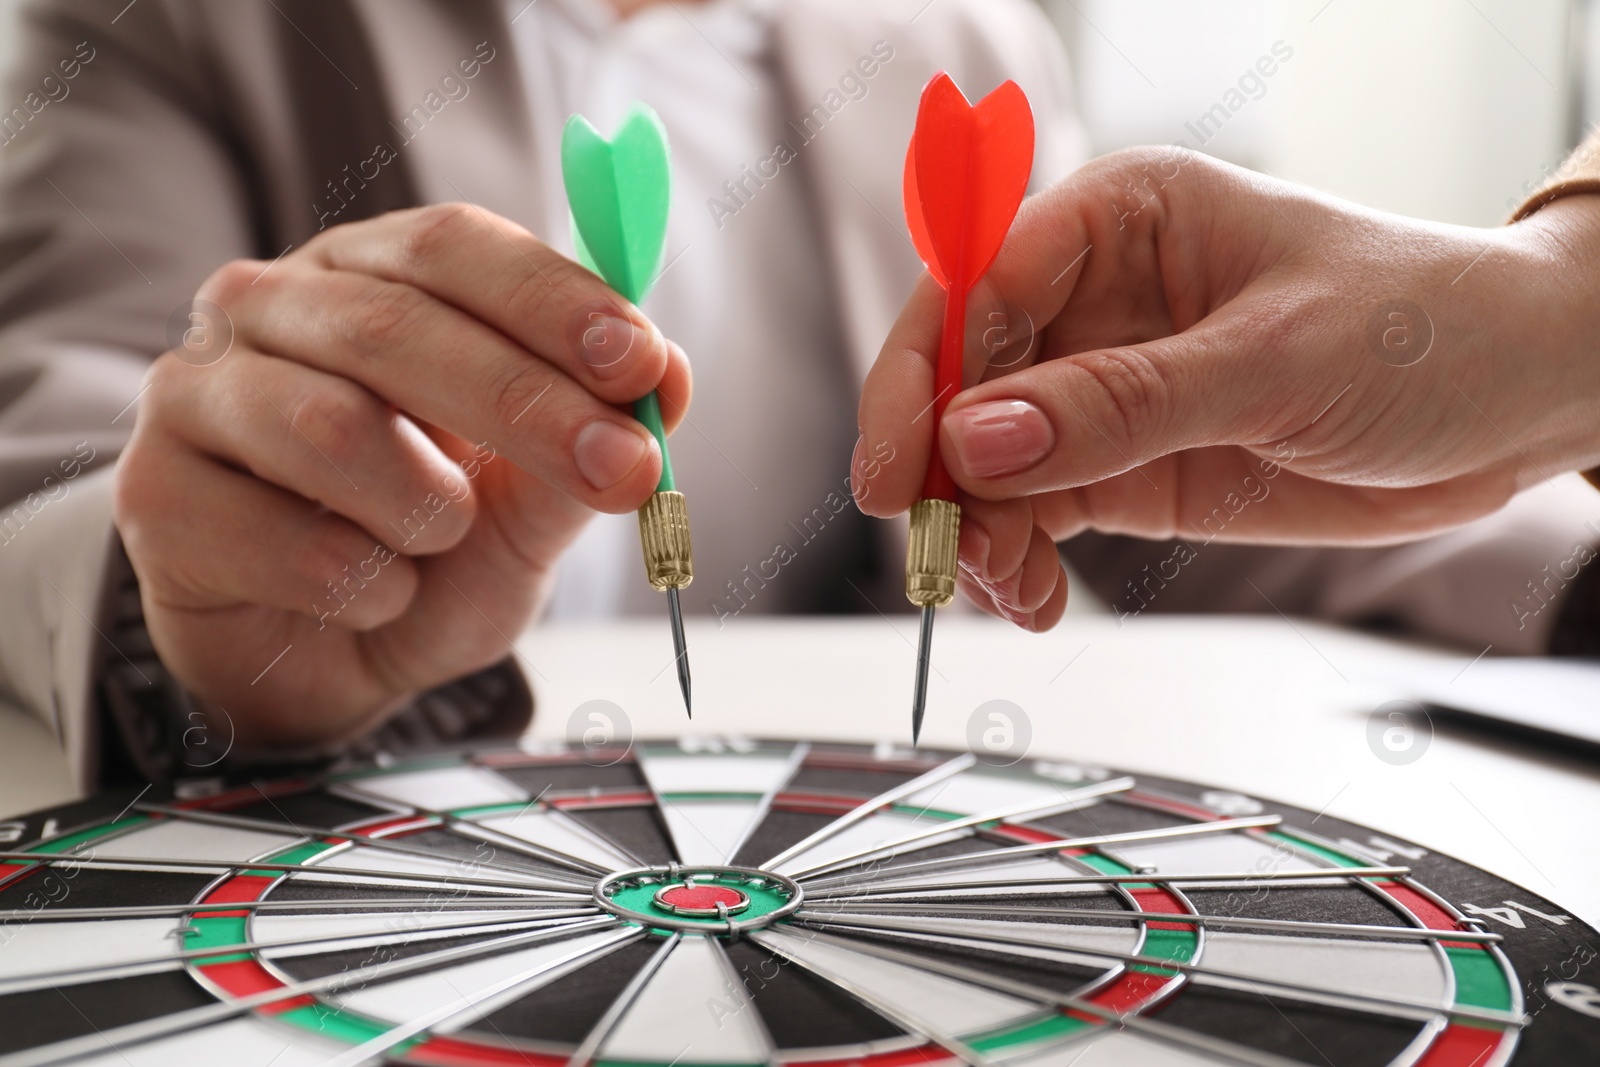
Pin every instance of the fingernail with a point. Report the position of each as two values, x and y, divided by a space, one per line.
605 453
609 344
999 437
974 549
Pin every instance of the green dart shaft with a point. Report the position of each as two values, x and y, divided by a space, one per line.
647 409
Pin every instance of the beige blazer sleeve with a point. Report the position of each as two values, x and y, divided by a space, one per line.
96 253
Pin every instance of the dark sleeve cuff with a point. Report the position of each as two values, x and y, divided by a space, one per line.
1577 628
152 730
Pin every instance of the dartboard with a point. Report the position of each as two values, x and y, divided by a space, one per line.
734 902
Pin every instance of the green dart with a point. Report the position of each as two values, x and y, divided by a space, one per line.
619 192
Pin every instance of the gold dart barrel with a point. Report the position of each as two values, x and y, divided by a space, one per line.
931 553
664 533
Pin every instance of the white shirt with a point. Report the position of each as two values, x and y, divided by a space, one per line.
772 422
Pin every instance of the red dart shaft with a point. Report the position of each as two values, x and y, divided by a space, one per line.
938 485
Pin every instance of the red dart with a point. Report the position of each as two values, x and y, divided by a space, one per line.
967 170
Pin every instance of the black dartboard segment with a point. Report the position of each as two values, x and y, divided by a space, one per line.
732 903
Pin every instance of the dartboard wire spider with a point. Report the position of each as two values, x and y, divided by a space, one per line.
566 918
1217 1047
508 904
1229 879
472 827
797 758
682 819
585 1052
1070 800
948 769
180 1021
773 943
734 984
348 874
352 836
1015 942
504 989
1000 912
881 875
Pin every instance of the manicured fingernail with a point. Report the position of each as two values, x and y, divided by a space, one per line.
974 549
605 453
999 437
610 344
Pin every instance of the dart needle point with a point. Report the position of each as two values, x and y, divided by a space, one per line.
680 649
919 699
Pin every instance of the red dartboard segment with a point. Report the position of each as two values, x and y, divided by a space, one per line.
1427 912
395 827
448 1052
910 1057
603 800
239 888
1134 991
814 803
1459 1045
246 978
1162 902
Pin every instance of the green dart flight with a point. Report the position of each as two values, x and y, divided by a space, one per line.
619 192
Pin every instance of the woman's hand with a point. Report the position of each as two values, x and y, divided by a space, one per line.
1194 350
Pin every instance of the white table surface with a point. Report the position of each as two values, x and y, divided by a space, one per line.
1259 706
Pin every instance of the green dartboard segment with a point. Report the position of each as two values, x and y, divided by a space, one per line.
619 192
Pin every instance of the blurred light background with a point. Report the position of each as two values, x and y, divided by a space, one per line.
1443 109
1436 108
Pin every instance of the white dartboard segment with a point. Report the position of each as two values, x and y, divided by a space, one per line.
555 831
687 1004
1206 854
673 771
706 831
885 879
1390 969
708 816
934 1001
247 1042
168 841
303 935
441 789
873 832
1056 936
1105 1047
983 789
39 954
413 995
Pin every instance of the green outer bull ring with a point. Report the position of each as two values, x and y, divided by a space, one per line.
772 897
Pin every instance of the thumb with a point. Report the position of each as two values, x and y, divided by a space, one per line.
1082 418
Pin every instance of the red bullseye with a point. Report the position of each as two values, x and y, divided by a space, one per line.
688 898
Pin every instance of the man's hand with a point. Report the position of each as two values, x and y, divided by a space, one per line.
1194 350
418 413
